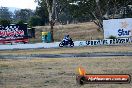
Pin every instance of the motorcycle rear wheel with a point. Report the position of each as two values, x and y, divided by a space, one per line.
61 45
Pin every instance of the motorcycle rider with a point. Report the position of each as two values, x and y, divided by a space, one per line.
66 39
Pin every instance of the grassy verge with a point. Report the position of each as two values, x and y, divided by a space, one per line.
60 73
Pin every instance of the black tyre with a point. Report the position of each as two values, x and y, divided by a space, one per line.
71 45
61 45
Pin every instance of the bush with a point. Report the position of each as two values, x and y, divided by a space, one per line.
20 22
4 22
35 21
112 37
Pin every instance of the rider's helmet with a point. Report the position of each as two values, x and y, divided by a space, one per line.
67 36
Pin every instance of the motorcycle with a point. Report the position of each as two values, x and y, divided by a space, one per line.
67 43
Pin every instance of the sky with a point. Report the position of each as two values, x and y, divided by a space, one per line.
22 4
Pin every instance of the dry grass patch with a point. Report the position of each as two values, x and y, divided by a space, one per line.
80 31
89 49
60 72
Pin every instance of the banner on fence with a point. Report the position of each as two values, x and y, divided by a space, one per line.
13 31
105 42
76 43
117 27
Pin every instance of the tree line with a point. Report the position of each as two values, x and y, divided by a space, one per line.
70 11
66 11
20 16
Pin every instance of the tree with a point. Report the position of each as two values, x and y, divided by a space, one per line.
54 9
35 21
98 10
110 9
23 15
20 22
42 13
4 22
86 10
5 14
50 5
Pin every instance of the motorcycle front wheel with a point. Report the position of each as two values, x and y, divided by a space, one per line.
71 45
